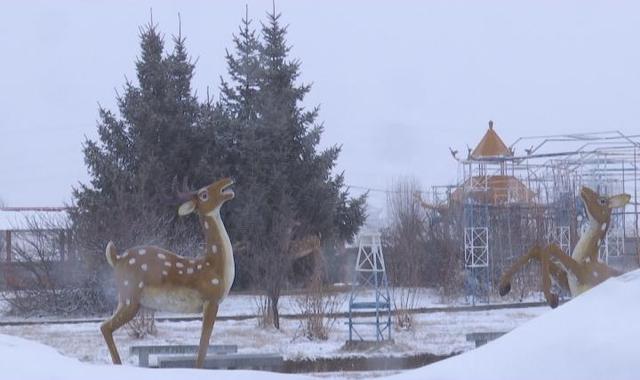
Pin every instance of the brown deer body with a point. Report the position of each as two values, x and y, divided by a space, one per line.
162 280
582 270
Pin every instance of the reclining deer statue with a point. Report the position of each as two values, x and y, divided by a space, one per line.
162 280
582 270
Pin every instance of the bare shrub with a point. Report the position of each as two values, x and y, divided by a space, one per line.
443 226
143 324
404 301
406 247
264 311
41 277
319 308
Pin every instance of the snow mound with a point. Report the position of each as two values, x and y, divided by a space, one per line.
24 359
594 336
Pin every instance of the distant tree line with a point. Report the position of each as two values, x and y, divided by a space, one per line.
257 131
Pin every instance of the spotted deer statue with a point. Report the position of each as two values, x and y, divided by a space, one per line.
582 270
162 280
310 246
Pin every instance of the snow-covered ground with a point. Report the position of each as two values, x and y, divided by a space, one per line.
246 305
592 337
437 333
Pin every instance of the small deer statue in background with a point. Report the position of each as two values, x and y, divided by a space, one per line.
582 270
162 280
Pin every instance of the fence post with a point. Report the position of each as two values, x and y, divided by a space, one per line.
7 239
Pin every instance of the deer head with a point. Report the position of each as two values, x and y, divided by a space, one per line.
599 212
208 199
599 207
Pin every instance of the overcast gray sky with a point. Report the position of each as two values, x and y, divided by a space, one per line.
398 81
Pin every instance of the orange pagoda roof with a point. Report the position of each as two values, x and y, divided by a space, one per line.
491 145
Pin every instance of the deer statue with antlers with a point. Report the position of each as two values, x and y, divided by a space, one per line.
582 270
162 280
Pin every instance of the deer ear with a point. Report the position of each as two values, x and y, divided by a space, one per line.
186 208
619 200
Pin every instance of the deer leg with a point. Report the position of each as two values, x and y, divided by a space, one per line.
569 264
605 271
559 274
505 280
208 318
122 315
545 262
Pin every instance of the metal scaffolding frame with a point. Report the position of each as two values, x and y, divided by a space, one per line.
540 202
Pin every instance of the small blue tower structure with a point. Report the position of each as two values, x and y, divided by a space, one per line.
370 292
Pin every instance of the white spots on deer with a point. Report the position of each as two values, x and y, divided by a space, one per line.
199 266
208 263
162 256
179 265
144 267
192 262
132 261
180 272
167 264
141 284
127 302
189 270
125 254
142 252
214 248
165 273
604 227
215 281
126 283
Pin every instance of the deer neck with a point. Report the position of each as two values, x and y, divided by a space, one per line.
218 247
589 243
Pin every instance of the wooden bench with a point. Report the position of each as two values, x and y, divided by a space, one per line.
263 362
482 338
143 352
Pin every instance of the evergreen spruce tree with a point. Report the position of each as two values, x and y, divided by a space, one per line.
288 186
136 155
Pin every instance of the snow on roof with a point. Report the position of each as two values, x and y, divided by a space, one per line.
491 145
25 218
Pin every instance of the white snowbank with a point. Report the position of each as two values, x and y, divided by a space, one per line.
23 359
594 336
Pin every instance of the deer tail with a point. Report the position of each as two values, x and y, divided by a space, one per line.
111 253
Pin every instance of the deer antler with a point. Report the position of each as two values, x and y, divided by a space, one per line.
185 194
176 195
179 195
